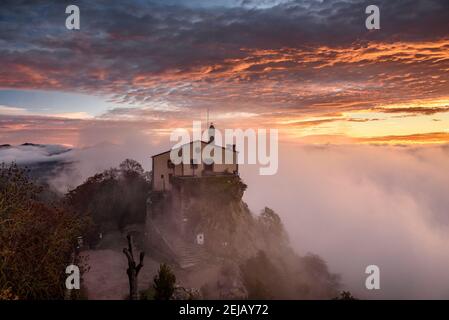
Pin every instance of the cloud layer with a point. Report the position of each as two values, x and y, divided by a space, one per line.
362 205
274 60
353 205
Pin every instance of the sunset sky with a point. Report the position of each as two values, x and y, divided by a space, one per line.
309 68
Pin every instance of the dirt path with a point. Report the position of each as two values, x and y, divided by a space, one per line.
107 279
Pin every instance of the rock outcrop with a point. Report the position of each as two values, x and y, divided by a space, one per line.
203 221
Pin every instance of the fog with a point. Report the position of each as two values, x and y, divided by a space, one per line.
30 154
352 205
94 155
362 205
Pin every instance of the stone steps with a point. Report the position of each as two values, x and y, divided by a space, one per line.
187 255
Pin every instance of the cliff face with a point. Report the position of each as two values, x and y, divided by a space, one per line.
253 249
213 207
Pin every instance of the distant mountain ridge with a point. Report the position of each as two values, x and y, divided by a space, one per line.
43 161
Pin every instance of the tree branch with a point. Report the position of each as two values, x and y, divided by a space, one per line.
140 265
130 245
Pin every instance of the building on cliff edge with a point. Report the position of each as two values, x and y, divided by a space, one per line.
164 170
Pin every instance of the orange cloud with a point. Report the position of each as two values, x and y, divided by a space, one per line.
419 138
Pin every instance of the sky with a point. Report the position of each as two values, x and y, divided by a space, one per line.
308 68
363 115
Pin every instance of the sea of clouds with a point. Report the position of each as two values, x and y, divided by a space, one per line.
353 205
362 205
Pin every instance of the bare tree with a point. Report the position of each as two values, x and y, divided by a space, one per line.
133 269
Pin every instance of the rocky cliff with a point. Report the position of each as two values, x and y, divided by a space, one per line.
203 224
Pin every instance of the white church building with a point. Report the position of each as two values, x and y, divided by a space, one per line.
164 170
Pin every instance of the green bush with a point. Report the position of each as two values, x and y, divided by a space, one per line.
164 283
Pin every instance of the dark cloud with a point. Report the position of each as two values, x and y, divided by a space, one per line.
292 56
154 37
416 110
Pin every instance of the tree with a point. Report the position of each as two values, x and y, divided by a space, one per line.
114 198
131 167
133 269
271 222
345 295
6 294
261 278
164 283
36 239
